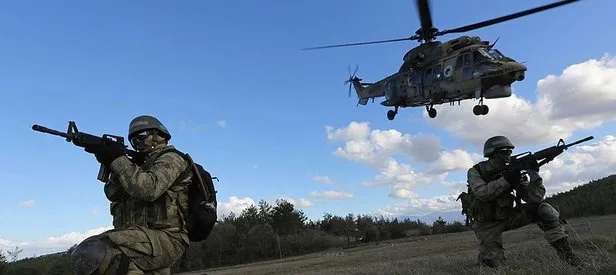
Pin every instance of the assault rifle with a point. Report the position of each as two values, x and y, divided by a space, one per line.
526 160
86 140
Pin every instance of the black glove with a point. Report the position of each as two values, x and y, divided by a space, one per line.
512 177
107 154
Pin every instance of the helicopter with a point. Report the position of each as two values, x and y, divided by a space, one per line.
436 72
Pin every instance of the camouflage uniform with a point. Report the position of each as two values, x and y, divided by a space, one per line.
148 205
494 212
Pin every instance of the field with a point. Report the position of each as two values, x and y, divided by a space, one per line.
593 238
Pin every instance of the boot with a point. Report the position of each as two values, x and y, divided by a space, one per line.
566 253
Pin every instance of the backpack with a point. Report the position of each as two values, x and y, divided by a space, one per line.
202 205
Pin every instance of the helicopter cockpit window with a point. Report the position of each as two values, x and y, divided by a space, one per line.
484 53
481 55
496 53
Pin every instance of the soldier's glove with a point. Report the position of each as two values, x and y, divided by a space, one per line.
107 154
512 177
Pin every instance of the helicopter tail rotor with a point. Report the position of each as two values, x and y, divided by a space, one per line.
352 78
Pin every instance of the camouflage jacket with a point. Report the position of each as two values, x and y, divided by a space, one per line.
153 195
491 192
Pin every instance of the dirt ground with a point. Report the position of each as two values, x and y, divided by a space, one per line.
594 239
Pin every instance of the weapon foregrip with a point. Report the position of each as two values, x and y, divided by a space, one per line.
103 173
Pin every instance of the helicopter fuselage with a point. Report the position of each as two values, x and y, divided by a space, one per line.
435 73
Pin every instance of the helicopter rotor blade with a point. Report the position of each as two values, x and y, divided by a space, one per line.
505 18
425 17
414 37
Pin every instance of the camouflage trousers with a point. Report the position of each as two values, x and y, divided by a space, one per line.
489 233
147 251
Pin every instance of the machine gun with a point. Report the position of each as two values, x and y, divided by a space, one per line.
86 140
526 160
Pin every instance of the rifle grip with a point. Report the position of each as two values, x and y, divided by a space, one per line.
103 173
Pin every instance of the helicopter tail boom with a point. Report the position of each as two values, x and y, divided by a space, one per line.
366 91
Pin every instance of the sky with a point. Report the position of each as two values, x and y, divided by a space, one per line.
271 121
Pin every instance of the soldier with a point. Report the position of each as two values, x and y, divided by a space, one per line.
148 202
490 187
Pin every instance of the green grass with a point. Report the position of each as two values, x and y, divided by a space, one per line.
527 252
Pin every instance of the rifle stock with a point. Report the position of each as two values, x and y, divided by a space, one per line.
86 140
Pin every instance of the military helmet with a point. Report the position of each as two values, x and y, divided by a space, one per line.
494 143
146 122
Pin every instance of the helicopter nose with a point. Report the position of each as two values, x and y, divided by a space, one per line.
516 71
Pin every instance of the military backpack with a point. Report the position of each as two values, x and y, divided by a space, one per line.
202 205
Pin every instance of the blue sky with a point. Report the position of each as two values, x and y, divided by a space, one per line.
233 87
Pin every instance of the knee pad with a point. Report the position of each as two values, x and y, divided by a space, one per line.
88 256
547 213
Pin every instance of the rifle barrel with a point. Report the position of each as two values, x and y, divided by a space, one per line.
44 129
580 141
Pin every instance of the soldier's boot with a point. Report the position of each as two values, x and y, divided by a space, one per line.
563 248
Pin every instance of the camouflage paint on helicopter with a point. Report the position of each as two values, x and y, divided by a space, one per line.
437 72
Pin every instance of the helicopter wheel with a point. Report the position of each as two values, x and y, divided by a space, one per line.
391 114
480 110
432 113
484 109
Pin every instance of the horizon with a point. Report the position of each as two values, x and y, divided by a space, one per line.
270 121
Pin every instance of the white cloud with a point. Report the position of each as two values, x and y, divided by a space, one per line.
374 147
222 123
28 203
50 244
323 179
422 206
578 165
334 195
583 96
377 148
235 205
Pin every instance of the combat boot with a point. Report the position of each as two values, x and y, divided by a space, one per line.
563 248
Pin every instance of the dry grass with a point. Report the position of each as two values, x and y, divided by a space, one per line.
527 252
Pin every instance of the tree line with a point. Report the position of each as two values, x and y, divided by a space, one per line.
264 232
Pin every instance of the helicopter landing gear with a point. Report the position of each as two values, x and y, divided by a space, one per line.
480 109
431 111
391 114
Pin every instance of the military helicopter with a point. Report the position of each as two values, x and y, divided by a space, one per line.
436 72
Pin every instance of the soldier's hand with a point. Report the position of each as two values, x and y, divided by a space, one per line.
534 177
512 177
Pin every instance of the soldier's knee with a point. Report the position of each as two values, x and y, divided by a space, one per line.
88 256
546 212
